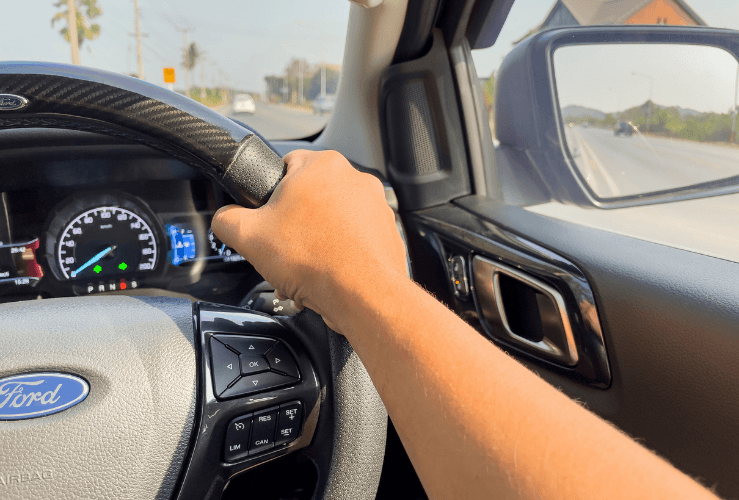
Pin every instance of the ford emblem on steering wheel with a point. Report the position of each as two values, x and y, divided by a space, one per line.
35 395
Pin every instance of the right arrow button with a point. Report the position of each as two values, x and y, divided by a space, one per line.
281 360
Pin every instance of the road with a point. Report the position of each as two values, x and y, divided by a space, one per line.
277 122
621 166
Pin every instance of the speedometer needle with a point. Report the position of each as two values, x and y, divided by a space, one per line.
90 262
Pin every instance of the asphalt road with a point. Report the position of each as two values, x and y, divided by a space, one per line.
277 122
621 166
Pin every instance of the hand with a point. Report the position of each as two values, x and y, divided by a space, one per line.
326 230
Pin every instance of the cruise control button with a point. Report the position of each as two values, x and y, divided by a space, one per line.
253 363
247 345
256 383
237 439
225 365
263 432
288 423
281 360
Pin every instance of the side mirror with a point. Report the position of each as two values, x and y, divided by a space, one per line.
620 116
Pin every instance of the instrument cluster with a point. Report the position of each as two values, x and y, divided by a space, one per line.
109 241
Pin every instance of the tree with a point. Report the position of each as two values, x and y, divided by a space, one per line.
314 87
87 10
190 58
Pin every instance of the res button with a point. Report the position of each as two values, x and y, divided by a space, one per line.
263 432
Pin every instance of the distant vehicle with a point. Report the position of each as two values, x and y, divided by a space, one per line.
585 124
623 128
244 103
323 104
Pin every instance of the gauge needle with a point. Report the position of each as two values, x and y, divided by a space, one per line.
90 262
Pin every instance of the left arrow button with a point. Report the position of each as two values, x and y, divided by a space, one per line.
225 366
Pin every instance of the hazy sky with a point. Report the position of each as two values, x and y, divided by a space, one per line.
601 76
246 40
527 14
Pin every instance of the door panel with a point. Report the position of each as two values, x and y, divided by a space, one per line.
669 320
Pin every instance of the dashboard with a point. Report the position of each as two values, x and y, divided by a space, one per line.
82 214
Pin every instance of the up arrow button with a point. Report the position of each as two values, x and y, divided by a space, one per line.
282 361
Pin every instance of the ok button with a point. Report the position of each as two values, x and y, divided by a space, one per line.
253 363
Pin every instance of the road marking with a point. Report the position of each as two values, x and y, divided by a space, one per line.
601 169
705 162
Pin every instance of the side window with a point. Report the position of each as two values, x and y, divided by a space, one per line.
648 132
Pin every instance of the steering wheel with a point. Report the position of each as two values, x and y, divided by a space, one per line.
154 397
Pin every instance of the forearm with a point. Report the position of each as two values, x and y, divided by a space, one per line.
475 422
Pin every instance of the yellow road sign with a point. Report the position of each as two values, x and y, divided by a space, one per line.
168 75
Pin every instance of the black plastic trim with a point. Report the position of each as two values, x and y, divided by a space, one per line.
452 225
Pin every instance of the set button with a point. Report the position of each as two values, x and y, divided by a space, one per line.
256 433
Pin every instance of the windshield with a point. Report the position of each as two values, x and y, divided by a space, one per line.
284 54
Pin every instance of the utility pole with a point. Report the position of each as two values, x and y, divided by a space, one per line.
184 55
733 115
651 89
72 19
300 81
138 39
323 80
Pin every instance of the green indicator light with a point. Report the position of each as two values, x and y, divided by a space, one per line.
97 268
122 266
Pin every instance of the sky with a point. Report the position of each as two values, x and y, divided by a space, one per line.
243 40
602 76
527 14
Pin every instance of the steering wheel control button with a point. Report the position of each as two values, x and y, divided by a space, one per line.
253 363
281 360
247 345
263 432
237 439
225 365
257 383
288 423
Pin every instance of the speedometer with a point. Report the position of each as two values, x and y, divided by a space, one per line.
106 240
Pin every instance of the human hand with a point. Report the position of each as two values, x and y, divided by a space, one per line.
326 231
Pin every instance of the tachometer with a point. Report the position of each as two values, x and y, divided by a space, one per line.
106 240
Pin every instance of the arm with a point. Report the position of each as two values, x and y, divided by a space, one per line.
475 423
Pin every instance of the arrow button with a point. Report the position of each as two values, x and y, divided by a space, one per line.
281 360
251 384
225 364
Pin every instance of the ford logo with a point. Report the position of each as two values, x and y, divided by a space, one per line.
10 102
39 394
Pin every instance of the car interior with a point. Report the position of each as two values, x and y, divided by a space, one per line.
204 384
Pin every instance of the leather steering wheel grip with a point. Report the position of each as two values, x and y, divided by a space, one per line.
73 97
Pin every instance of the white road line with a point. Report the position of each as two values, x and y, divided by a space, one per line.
601 169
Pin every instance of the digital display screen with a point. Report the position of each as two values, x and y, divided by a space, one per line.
188 246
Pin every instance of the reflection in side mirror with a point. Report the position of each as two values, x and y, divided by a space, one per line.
641 118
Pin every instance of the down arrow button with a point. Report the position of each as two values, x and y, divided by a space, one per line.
281 360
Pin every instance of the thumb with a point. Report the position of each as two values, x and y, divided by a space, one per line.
234 225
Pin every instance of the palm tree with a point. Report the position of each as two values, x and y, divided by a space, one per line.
190 58
86 11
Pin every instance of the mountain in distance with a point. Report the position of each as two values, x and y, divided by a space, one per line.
575 111
683 112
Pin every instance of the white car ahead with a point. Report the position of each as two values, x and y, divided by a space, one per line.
244 103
